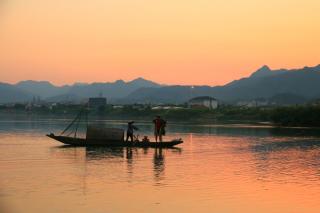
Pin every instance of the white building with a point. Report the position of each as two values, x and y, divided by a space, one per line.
165 107
203 102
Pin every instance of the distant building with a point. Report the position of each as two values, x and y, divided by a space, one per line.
203 102
117 107
97 103
253 103
165 107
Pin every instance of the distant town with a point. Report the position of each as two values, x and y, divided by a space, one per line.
203 109
101 103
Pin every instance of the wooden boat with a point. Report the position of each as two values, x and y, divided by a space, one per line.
85 142
107 137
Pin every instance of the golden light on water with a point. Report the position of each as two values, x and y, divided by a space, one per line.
220 172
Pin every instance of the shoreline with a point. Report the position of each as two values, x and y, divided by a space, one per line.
23 117
290 116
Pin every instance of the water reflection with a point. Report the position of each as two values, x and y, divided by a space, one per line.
274 146
128 155
44 126
286 160
129 158
158 164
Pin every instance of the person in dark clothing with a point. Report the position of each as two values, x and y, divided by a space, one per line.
159 128
130 130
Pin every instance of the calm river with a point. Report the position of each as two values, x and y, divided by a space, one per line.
219 168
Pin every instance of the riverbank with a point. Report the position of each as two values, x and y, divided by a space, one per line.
308 116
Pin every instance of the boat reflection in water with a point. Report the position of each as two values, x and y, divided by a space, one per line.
111 158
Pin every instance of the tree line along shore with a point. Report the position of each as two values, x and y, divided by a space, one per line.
308 116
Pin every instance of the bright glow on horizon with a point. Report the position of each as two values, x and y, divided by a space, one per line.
172 42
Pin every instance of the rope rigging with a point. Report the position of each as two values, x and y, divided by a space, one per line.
82 115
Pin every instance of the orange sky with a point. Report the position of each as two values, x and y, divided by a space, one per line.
169 41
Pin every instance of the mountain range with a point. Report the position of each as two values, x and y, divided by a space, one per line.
295 85
28 90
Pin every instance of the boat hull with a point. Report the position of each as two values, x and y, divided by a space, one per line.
85 142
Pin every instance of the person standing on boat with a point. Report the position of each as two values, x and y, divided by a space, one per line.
159 128
130 130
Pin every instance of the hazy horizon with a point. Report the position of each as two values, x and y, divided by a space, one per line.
141 77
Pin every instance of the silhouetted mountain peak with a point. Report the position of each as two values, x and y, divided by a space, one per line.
262 72
265 68
143 82
316 68
120 81
293 85
140 79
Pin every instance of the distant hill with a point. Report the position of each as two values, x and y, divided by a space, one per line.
12 94
114 90
301 82
264 83
43 89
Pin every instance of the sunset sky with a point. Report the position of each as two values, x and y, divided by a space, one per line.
190 42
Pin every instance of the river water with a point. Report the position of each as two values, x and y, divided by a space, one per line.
219 168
